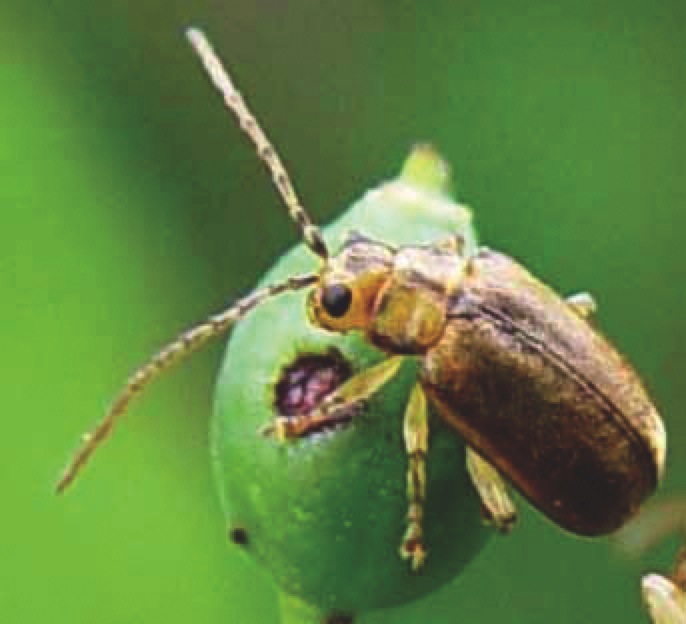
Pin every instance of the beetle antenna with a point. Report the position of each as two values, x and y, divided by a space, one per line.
176 351
265 150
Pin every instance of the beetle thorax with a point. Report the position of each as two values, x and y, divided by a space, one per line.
410 311
397 297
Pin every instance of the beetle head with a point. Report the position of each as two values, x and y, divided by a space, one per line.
349 285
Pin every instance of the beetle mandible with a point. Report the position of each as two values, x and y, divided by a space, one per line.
540 397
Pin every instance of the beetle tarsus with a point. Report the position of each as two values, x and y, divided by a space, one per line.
413 547
583 304
276 429
497 507
665 597
664 600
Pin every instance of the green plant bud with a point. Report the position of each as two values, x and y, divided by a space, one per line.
326 514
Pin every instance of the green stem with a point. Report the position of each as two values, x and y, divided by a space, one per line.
295 611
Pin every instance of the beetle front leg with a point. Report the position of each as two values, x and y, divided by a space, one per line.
337 406
498 508
416 434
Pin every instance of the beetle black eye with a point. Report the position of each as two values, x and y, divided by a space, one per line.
336 300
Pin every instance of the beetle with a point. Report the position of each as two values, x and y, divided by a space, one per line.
541 398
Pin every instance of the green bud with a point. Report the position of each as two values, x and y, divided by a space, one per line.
326 514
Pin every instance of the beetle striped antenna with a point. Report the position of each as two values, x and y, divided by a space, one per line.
176 351
265 150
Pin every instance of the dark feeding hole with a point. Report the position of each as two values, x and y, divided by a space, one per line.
306 382
239 536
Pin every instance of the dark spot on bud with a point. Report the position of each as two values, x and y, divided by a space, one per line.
239 536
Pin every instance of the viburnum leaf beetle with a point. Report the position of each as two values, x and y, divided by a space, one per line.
537 393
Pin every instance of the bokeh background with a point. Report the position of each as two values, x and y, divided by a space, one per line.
130 206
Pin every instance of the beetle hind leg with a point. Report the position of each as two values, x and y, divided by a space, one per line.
583 304
498 508
416 435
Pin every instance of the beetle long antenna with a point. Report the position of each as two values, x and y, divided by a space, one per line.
176 351
265 150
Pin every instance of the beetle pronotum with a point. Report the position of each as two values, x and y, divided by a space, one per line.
539 396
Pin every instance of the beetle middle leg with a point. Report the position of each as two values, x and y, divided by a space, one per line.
416 434
499 510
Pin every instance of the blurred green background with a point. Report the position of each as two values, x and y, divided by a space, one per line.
130 206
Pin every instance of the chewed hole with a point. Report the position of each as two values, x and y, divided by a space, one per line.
308 380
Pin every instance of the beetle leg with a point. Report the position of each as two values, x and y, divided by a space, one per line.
416 434
337 405
498 508
665 598
583 304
